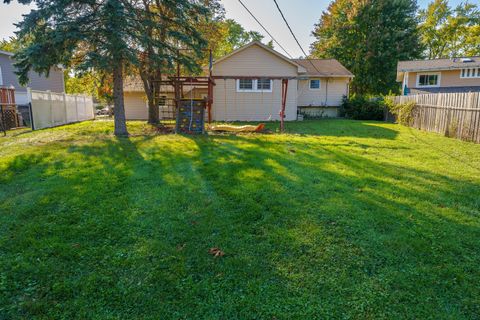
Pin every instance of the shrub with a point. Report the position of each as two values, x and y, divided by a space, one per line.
360 107
404 112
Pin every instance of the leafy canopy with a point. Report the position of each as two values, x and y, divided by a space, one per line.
369 37
447 32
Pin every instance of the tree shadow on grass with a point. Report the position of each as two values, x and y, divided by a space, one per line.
121 228
341 128
357 236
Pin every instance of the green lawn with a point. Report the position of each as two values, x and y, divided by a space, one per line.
336 219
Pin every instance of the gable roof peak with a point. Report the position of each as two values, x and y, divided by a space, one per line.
265 47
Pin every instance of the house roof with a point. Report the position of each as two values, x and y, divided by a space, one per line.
10 54
258 43
324 67
135 84
438 64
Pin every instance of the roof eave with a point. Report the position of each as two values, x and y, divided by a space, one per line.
329 75
10 54
438 69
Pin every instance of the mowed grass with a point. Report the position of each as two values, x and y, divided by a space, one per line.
335 219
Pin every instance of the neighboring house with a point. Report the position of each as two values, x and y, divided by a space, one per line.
439 75
54 82
315 86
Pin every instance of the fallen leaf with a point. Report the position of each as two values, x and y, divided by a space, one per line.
216 252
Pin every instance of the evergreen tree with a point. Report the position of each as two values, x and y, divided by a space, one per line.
83 34
369 37
174 30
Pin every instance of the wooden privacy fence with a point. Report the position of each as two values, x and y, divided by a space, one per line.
51 109
452 114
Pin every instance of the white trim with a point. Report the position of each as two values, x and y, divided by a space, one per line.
10 54
310 84
476 73
254 86
439 78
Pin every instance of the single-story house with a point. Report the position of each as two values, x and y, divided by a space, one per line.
54 82
249 87
439 75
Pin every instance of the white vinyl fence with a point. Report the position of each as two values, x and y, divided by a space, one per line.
51 109
452 114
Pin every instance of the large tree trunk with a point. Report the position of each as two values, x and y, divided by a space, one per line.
152 88
153 112
119 107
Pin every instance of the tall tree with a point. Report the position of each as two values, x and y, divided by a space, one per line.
82 34
447 32
10 45
369 37
173 28
233 36
92 83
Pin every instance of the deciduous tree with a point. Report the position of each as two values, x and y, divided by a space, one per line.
369 37
447 32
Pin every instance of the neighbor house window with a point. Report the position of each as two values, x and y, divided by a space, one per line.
253 85
315 84
1 77
470 73
428 80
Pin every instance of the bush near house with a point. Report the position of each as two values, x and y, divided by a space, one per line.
359 107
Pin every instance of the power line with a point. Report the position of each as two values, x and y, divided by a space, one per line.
293 34
265 29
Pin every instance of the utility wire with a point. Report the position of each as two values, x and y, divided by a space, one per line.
265 29
293 34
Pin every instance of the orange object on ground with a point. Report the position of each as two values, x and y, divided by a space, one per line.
230 128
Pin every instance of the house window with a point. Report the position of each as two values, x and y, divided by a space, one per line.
162 101
314 84
245 84
251 85
470 73
264 84
428 80
1 77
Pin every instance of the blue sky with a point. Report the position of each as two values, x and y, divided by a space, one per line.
301 14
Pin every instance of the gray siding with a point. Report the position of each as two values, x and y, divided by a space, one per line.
54 82
8 72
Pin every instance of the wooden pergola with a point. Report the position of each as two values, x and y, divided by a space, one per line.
178 82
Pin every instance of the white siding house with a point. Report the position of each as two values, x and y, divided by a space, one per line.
249 87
